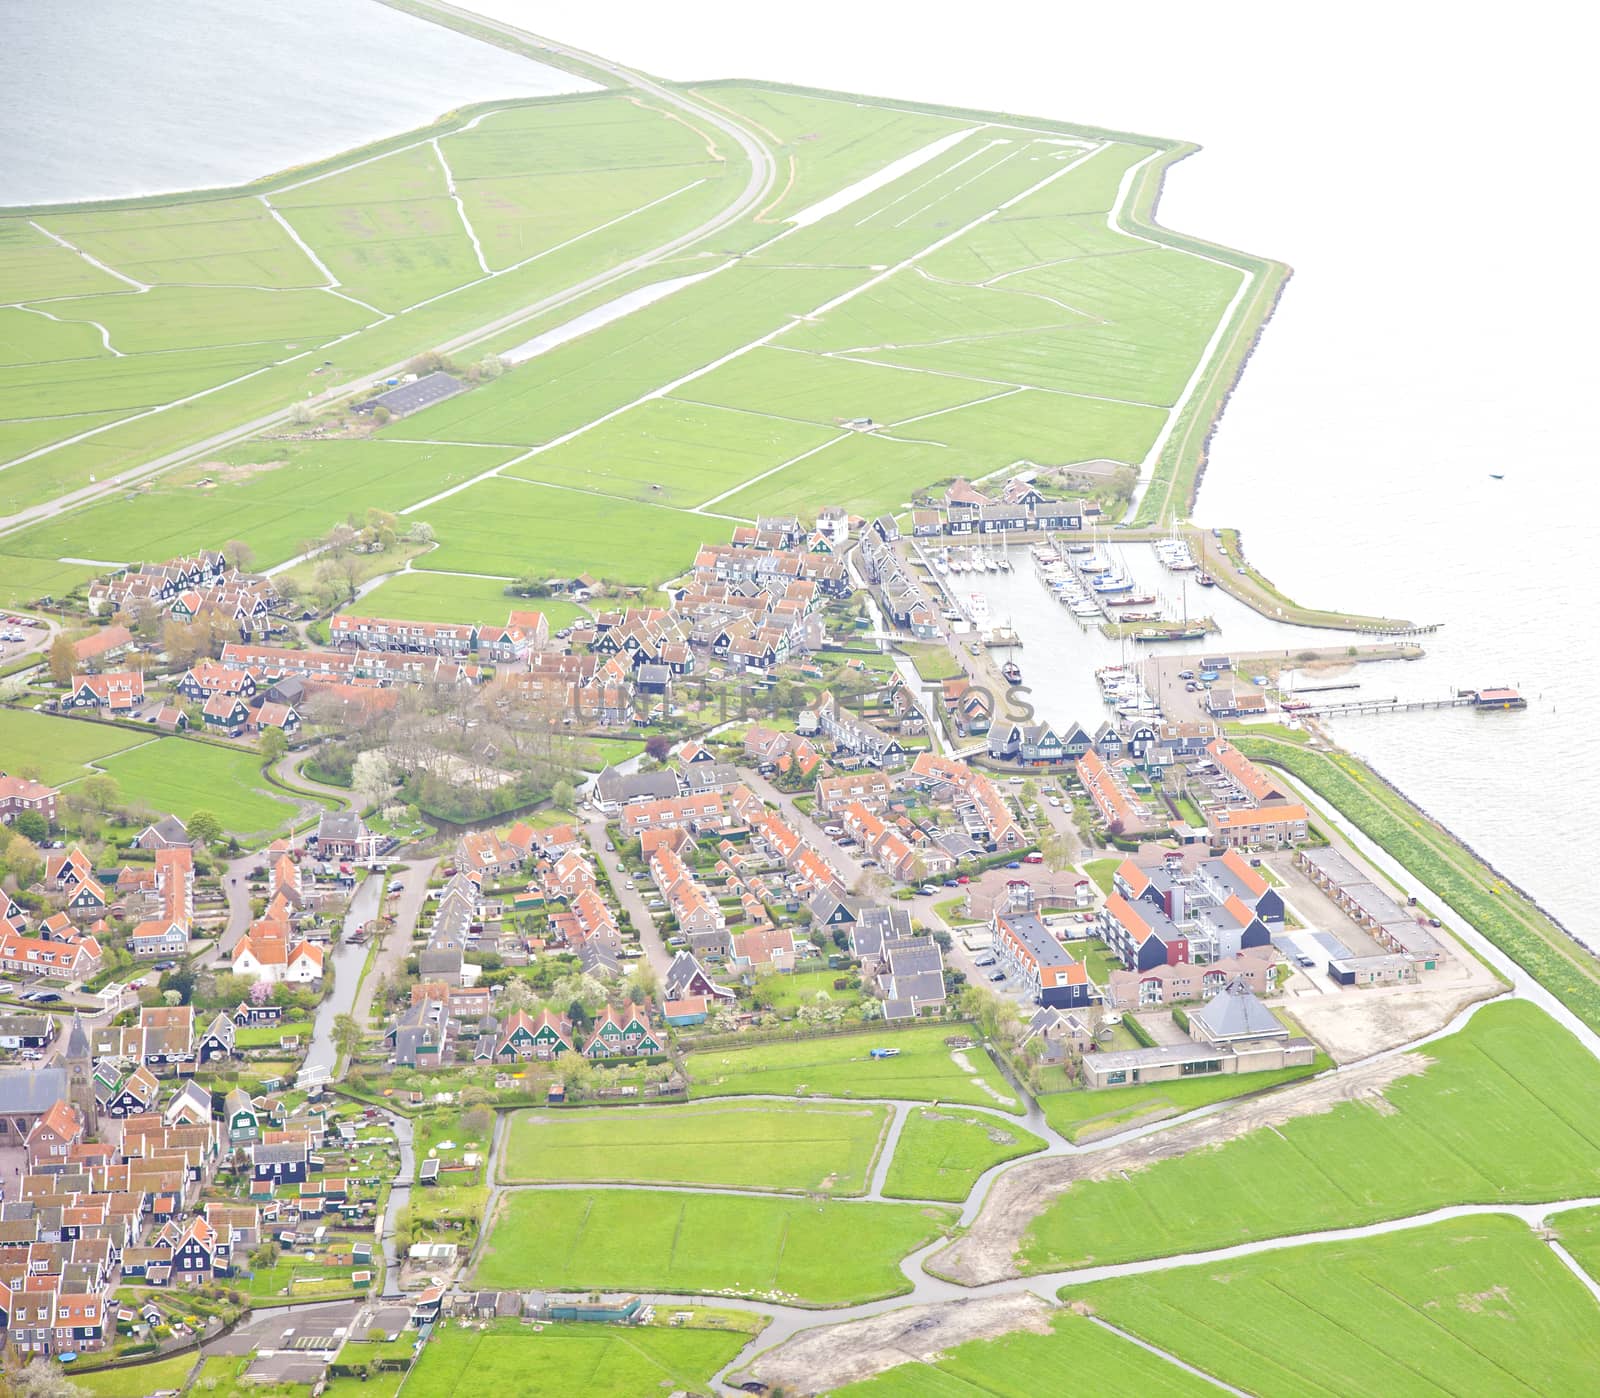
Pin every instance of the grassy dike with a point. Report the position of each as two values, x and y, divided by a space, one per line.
1501 912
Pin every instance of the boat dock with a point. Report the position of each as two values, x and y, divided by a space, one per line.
1484 699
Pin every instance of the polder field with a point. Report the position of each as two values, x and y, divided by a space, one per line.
1507 1110
971 288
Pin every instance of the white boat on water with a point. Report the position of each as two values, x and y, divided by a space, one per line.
978 609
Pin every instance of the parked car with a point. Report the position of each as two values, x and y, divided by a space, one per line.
677 941
1014 864
998 976
985 960
952 883
962 879
1185 674
927 888
1034 857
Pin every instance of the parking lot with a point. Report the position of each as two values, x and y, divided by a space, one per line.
20 635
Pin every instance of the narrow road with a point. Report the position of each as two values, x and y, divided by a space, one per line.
631 899
810 830
412 881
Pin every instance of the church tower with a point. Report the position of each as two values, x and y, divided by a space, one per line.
79 1063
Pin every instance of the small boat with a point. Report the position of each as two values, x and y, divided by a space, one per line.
1143 600
1205 580
1496 476
1012 672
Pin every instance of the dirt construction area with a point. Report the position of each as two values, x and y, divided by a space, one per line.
987 1253
819 1361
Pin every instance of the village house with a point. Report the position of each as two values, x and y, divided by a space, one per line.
19 794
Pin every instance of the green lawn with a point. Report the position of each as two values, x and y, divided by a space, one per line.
269 1035
821 1147
512 527
135 1381
182 777
60 748
1024 1365
942 1152
790 992
1508 1111
563 1360
275 496
1101 870
1579 1231
933 662
1079 1114
1474 1308
658 452
810 1252
423 596
840 1065
831 143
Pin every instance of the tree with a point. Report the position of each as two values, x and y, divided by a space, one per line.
240 554
477 1122
42 1379
22 855
180 982
31 825
260 992
348 1036
300 414
205 827
63 659
562 796
371 778
658 746
99 793
273 744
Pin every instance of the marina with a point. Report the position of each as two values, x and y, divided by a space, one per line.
1094 587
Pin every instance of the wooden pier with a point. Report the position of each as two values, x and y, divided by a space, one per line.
1466 699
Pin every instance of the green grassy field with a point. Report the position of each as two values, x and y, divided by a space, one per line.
866 474
182 777
1474 1306
840 1066
513 527
1579 1232
1023 1365
135 1381
560 1360
827 143
941 1153
206 242
810 1252
1078 1114
60 748
388 231
423 596
659 453
275 496
822 1147
1508 1111
558 204
825 391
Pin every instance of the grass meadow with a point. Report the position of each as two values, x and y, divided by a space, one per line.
173 774
819 1147
670 453
59 749
560 1360
1508 1111
275 496
840 1065
1023 1365
1474 1307
942 1151
1079 1114
510 527
826 144
808 1252
419 595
